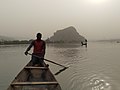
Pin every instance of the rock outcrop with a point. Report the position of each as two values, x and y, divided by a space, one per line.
67 35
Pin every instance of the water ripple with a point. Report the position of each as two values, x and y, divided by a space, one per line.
96 82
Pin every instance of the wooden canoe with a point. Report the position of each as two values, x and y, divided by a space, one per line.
34 78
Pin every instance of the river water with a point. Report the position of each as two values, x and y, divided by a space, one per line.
96 67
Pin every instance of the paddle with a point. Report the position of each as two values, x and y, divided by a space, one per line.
51 62
61 70
48 60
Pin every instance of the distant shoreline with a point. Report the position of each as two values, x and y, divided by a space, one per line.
15 42
48 42
29 41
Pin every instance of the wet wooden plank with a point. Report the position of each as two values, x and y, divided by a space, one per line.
31 67
33 83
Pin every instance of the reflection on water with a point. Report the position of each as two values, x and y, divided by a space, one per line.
96 83
93 68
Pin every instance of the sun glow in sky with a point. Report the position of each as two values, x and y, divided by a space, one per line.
97 1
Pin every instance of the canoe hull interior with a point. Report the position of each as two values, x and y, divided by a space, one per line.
34 78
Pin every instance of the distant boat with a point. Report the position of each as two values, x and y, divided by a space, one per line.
84 43
34 78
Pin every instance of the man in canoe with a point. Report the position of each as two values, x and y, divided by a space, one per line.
39 47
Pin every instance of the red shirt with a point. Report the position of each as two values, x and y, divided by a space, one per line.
38 46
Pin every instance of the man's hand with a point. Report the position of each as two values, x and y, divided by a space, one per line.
26 53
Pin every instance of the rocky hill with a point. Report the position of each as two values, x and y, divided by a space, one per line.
67 35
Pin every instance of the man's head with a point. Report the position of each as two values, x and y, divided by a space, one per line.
39 35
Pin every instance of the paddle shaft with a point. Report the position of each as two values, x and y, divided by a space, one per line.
48 60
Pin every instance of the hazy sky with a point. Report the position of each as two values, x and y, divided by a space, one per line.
94 19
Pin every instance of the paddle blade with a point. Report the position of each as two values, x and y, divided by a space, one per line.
61 70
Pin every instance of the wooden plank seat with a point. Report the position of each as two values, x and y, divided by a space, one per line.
31 67
33 83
